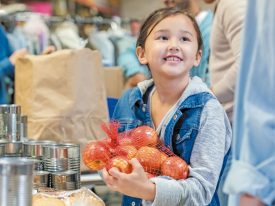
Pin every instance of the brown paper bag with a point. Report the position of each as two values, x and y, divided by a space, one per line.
113 81
63 96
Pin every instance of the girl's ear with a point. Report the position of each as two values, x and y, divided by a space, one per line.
198 58
141 55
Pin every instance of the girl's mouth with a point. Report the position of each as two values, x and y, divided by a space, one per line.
172 59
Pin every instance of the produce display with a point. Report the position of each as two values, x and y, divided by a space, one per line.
141 143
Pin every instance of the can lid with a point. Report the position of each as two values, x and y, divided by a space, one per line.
10 166
10 109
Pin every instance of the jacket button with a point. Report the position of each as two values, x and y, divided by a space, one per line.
144 108
175 117
133 204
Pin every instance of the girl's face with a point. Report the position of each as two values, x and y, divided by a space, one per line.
171 49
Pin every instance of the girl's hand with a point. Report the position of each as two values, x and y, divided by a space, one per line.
135 184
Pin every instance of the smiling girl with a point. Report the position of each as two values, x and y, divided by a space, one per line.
188 118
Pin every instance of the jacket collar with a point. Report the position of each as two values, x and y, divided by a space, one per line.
190 96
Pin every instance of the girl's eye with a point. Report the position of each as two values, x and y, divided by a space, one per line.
162 38
185 39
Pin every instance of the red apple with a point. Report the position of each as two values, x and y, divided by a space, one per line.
163 157
96 155
125 141
144 136
126 151
121 163
150 159
109 144
175 167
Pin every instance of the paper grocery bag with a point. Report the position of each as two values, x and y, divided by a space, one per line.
63 96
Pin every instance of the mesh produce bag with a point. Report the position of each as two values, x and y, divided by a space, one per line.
141 143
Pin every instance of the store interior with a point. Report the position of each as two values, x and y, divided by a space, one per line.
102 26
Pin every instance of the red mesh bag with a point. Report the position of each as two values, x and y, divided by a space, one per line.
142 143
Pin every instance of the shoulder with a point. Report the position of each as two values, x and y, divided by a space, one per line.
123 106
129 98
128 95
231 10
231 4
214 115
213 107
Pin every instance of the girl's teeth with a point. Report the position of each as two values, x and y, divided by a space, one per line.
172 59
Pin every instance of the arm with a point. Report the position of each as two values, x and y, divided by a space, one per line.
133 71
6 65
247 200
205 166
231 19
133 80
212 143
253 171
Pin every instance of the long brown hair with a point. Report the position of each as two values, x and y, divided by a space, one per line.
157 16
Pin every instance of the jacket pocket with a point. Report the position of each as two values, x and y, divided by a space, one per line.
183 143
185 134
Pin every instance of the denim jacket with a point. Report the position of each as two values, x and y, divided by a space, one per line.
180 133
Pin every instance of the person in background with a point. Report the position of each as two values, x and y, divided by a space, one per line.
7 62
225 47
133 71
251 178
8 57
135 27
224 62
204 19
183 111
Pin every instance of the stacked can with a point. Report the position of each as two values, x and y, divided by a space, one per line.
16 181
10 133
33 149
10 122
62 161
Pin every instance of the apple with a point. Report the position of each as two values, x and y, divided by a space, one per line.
96 155
149 158
109 144
175 167
125 141
128 151
144 136
163 157
121 163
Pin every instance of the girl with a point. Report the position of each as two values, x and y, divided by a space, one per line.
188 118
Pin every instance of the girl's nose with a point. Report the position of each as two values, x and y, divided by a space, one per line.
173 45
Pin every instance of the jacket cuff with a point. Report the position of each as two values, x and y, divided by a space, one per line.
163 189
245 178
